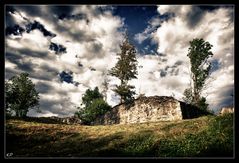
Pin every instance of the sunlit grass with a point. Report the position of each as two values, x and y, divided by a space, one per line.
204 136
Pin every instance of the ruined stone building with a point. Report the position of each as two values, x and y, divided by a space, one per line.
150 109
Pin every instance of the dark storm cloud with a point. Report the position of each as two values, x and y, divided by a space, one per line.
21 63
60 106
76 35
163 73
80 64
34 53
42 75
21 53
9 73
195 16
76 84
59 49
36 25
42 87
12 57
226 96
95 47
92 69
49 68
81 36
49 88
79 16
226 91
178 63
171 70
27 66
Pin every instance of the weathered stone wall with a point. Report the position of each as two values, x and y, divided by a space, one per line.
226 110
150 109
144 109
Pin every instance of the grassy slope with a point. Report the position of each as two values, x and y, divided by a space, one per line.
207 136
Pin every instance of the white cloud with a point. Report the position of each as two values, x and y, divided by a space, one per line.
94 45
151 83
140 37
148 33
173 38
174 35
179 10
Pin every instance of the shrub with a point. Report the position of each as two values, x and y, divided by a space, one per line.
94 106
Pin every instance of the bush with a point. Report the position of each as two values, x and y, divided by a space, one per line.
202 104
94 106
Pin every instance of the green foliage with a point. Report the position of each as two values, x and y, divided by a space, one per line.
20 95
90 95
125 70
199 53
188 96
202 104
125 91
94 106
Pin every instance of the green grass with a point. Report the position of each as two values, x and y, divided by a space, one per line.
208 136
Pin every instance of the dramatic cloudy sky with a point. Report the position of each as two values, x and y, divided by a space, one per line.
68 49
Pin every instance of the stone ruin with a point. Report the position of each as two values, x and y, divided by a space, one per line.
150 109
67 120
226 110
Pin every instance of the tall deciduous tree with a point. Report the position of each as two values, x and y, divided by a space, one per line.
199 54
20 95
125 70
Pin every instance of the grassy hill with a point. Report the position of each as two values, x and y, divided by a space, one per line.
208 136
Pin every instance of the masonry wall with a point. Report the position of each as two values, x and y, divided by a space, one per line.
144 109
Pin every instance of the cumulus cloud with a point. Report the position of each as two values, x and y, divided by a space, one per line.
149 31
214 26
169 72
71 47
78 34
155 77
